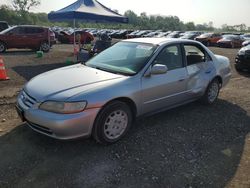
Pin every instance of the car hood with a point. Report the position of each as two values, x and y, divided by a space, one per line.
61 84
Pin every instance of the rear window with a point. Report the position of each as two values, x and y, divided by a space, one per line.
33 30
3 26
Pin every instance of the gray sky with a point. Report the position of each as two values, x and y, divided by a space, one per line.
220 12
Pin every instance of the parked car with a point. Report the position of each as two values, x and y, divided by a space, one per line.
68 38
231 41
209 39
242 60
189 36
163 34
175 34
246 36
3 25
33 37
132 78
121 34
246 43
133 34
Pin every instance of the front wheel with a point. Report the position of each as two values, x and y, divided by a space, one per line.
112 123
211 93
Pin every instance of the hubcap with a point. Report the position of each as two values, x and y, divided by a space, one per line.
213 92
1 47
115 124
45 46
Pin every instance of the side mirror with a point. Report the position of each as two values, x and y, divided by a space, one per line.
159 69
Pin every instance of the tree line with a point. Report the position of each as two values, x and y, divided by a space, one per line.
19 14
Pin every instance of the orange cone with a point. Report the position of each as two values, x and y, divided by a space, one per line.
3 74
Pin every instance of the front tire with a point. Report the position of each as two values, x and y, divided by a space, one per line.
211 93
2 47
112 123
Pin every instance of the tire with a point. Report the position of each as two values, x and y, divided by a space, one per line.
112 123
238 68
211 93
45 47
2 47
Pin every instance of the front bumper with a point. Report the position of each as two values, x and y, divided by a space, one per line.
243 61
59 126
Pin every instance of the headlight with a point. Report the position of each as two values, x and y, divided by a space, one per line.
63 107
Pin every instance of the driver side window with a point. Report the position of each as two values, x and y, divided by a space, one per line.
171 57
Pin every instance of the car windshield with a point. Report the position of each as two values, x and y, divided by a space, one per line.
125 58
229 37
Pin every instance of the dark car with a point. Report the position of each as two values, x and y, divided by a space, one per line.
175 34
209 39
189 36
246 43
33 37
3 25
230 41
68 38
242 60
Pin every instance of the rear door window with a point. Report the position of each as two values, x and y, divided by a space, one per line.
195 55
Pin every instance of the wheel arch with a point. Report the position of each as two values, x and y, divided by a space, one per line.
127 101
219 78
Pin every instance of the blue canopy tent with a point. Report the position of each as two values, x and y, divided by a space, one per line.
88 11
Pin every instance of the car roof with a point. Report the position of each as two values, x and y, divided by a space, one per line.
158 41
34 26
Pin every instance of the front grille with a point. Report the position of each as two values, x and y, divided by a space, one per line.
27 99
40 128
247 52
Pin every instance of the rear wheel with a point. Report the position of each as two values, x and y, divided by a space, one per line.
2 47
45 47
212 92
112 123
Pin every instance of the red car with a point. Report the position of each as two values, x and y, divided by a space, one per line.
68 38
231 41
209 39
33 37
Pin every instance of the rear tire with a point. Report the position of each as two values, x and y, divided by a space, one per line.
2 47
112 123
45 47
211 93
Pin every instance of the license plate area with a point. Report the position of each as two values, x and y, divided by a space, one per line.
20 113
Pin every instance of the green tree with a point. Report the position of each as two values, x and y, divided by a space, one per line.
190 26
23 6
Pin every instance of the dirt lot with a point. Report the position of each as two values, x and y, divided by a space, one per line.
190 146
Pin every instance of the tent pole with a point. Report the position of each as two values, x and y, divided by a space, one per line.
74 33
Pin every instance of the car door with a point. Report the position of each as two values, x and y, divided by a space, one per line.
14 38
200 69
164 90
35 35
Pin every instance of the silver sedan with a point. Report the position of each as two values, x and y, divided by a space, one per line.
132 78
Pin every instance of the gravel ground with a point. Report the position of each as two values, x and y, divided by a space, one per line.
190 146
